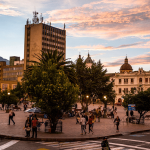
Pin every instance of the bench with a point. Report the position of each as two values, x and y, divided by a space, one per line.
147 116
17 108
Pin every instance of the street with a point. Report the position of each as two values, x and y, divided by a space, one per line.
140 141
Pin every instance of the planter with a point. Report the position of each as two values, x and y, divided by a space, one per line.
7 111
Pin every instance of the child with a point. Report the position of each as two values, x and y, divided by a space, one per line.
28 129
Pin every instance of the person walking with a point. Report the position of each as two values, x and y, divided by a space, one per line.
11 115
86 119
83 123
131 113
34 127
90 125
105 144
117 121
27 124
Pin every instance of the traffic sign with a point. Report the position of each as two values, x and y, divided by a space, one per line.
131 107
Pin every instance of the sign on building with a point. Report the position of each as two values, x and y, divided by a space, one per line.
131 107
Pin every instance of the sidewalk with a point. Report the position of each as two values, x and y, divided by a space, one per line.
71 130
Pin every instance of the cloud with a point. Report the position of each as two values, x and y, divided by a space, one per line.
137 60
110 48
106 19
8 10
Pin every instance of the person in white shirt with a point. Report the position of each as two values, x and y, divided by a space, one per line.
83 124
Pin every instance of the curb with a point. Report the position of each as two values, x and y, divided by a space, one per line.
55 139
65 139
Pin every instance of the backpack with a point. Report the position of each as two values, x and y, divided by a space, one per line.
13 114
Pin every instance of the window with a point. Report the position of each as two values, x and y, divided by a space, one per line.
125 81
132 90
119 90
140 80
27 55
132 80
27 50
119 81
146 80
125 90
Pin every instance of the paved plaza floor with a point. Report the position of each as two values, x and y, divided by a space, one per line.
70 129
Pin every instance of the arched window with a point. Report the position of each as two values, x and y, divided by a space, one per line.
140 80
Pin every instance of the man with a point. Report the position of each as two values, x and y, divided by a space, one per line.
131 113
86 119
11 115
34 127
83 123
117 121
105 144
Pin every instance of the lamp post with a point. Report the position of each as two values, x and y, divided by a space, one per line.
87 97
8 100
105 108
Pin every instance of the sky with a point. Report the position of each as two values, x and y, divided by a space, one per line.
109 30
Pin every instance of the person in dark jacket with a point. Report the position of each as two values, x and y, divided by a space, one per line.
105 144
131 113
86 119
117 121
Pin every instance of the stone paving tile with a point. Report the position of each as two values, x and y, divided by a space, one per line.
70 129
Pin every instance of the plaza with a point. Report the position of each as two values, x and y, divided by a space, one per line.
71 130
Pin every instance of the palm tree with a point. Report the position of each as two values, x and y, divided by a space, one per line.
56 58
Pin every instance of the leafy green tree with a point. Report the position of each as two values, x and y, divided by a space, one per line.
8 98
42 62
18 91
142 102
51 87
94 82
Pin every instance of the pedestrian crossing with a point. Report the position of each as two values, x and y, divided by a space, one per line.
84 145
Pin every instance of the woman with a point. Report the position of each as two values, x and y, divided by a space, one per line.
117 121
90 125
27 124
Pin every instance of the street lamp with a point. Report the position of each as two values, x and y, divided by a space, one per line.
87 102
8 99
105 98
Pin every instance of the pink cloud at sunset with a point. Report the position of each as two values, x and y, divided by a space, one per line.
110 48
130 18
9 10
137 60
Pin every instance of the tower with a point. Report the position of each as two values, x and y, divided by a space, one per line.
40 36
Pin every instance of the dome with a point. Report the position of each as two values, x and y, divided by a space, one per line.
88 59
126 67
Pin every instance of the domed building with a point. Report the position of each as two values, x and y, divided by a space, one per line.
126 67
127 80
88 61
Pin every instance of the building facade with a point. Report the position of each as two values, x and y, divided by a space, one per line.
12 59
127 80
39 36
10 75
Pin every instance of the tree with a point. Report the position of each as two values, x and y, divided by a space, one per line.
43 59
52 89
142 102
94 82
18 91
8 98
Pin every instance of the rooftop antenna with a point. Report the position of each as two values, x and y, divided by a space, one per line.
64 26
41 18
35 18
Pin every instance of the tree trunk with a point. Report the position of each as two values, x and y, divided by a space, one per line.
53 125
